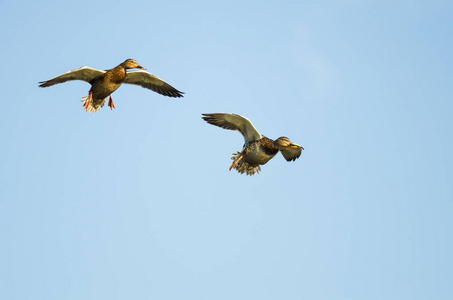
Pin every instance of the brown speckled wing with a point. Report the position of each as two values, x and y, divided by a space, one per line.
84 73
152 82
234 122
291 154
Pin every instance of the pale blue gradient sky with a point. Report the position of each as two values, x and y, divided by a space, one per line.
138 203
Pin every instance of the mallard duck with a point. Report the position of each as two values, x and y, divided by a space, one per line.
104 83
257 149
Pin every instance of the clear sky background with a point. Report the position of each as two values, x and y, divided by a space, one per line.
138 202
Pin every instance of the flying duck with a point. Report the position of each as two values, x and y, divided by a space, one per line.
104 83
257 149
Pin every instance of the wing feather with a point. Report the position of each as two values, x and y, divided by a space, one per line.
290 153
84 73
234 122
152 82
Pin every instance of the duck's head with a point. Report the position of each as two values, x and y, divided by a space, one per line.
286 142
131 64
291 151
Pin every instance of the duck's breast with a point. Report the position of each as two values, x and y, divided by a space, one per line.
258 154
258 158
107 84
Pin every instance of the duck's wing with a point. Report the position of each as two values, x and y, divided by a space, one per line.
84 73
234 122
152 82
292 152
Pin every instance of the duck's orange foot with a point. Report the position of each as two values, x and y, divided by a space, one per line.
87 104
235 163
111 104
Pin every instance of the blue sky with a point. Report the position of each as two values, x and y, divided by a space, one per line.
138 203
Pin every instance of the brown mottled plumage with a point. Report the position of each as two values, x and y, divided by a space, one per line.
258 149
104 83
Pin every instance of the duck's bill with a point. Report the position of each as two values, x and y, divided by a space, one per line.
296 146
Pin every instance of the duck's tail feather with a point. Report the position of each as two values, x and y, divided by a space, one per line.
94 105
244 167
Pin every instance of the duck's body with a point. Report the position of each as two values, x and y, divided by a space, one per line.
257 149
108 82
259 152
103 86
104 83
